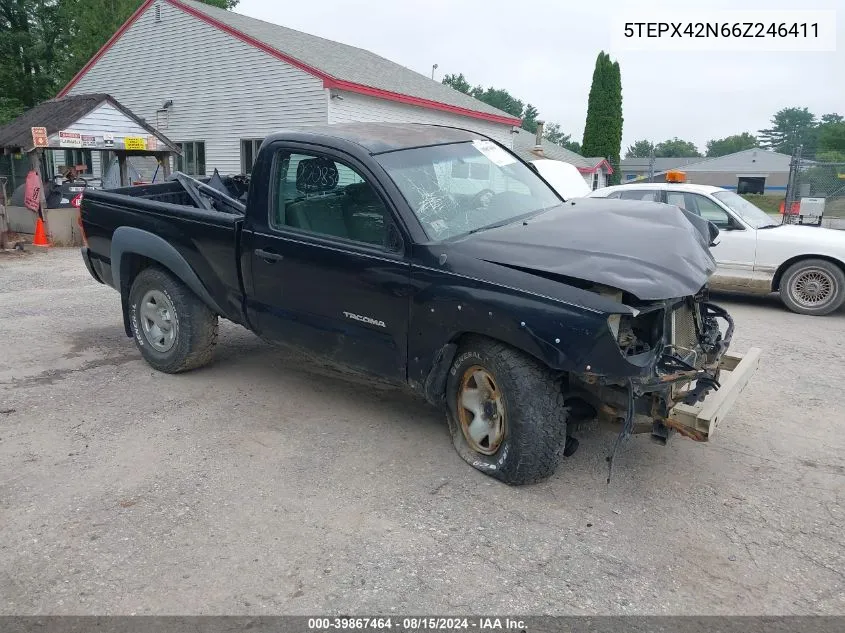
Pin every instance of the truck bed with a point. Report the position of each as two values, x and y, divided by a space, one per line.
207 239
172 191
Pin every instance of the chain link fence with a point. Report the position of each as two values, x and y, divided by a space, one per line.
815 193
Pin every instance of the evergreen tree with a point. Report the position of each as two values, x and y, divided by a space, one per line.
603 129
529 118
790 127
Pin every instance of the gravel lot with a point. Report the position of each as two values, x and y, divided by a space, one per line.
261 486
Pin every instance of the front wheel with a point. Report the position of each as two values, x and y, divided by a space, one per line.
813 286
173 329
505 412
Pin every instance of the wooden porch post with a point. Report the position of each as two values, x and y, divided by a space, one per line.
35 164
14 176
124 173
164 160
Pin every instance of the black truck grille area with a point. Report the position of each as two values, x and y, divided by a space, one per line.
685 342
684 332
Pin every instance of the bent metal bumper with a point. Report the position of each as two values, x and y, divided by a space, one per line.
699 421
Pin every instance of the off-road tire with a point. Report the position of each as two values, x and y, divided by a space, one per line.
535 416
826 270
196 325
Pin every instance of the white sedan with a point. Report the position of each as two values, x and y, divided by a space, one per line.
754 253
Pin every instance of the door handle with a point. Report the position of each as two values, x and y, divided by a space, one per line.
268 256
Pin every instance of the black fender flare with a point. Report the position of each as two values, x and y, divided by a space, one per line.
128 240
434 388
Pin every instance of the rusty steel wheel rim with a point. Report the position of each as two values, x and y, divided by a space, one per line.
812 287
481 411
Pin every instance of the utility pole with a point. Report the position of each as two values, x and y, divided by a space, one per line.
791 184
651 165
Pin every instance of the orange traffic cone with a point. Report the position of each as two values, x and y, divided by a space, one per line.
40 235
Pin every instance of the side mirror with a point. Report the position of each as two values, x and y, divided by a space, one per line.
714 232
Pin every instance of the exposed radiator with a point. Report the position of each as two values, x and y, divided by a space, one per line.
685 335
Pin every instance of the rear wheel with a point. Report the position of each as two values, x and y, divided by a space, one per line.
813 286
173 329
505 412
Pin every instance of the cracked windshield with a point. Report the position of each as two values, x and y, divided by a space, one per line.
465 187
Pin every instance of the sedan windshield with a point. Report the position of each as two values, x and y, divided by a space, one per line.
751 214
461 188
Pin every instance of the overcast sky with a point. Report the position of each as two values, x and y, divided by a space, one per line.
544 51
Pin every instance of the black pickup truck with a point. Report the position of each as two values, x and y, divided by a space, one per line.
431 257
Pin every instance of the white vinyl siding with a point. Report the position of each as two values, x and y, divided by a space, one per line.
104 118
598 179
223 89
356 107
107 118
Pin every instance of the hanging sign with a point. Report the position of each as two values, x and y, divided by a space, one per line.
39 137
89 141
135 142
32 192
108 139
70 139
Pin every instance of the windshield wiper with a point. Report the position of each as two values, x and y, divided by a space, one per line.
768 226
493 226
513 220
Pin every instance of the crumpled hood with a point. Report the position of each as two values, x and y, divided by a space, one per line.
652 250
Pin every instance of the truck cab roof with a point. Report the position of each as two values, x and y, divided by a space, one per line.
377 138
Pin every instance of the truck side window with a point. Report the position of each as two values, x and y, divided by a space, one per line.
318 194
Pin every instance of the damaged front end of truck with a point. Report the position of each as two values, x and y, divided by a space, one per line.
648 349
677 354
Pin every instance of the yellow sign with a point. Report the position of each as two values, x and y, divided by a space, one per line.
135 142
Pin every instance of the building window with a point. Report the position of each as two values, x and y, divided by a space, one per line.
77 157
595 180
249 151
192 160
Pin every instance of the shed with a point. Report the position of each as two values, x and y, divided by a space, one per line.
217 82
60 136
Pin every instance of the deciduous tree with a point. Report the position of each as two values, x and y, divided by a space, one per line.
676 148
640 149
731 144
44 43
